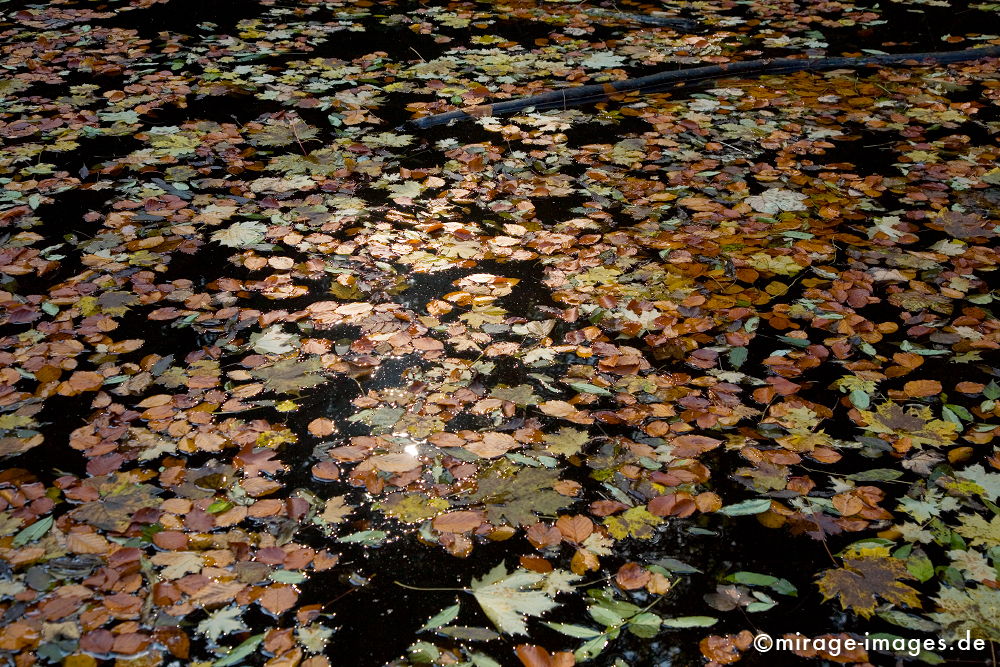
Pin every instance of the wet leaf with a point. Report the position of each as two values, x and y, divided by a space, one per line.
862 581
507 598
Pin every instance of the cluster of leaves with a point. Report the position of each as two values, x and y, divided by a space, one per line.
237 347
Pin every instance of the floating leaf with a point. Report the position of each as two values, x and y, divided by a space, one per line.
747 507
443 617
862 581
507 600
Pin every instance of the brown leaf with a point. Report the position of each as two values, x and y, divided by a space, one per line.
725 649
171 540
457 522
397 463
542 535
326 471
862 581
920 388
632 576
575 528
278 598
86 543
690 446
531 655
492 445
584 561
321 426
672 504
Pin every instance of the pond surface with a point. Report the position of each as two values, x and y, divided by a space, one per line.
282 377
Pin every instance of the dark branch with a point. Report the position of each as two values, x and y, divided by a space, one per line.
576 96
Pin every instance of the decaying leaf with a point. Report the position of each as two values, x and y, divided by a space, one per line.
866 579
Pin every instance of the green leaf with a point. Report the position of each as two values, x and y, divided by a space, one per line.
367 537
876 475
591 648
33 532
784 587
605 616
860 399
287 577
920 566
737 356
747 507
680 567
588 388
908 621
960 412
690 622
795 342
219 506
476 634
644 625
992 390
443 617
752 578
578 631
240 652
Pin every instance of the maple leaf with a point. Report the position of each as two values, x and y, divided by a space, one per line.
780 264
776 200
506 602
413 507
276 133
322 162
988 483
517 498
633 522
863 580
973 565
221 622
914 423
290 375
975 528
406 189
967 226
240 234
567 441
314 637
178 563
257 461
522 394
975 611
932 504
273 341
115 508
335 510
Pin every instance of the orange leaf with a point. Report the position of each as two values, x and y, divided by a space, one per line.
917 388
584 561
536 564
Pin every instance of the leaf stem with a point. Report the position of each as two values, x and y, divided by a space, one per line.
419 588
